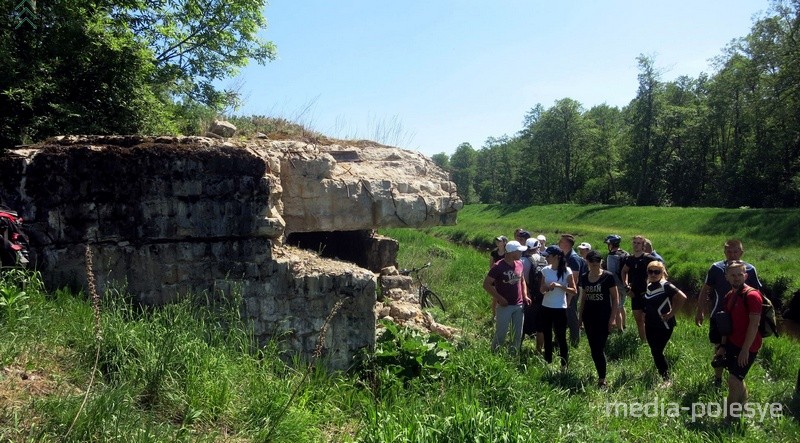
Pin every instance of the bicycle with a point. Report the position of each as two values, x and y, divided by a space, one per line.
427 298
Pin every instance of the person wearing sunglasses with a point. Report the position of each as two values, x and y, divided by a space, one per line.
662 300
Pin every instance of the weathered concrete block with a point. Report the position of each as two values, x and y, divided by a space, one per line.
169 216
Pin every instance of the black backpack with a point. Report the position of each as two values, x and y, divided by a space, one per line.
535 279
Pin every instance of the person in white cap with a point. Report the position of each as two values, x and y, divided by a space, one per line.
506 285
584 249
542 242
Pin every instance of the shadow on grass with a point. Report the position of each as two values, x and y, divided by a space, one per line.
774 227
569 380
792 405
505 209
594 210
621 346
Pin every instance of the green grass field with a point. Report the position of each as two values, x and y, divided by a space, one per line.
689 239
177 375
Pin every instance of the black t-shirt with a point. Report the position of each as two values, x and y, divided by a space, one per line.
637 271
658 301
598 295
496 255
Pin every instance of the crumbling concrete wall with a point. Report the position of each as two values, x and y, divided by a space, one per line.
348 188
174 215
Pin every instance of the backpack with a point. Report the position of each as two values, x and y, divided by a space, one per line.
535 278
14 246
768 326
619 255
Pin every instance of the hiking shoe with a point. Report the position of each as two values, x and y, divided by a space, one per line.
666 383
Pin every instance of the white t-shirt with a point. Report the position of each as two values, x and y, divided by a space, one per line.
557 298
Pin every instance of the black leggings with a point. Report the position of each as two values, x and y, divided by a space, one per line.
657 338
554 319
597 336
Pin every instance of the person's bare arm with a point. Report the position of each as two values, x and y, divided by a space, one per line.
624 277
614 307
581 304
677 302
752 330
525 298
702 305
488 286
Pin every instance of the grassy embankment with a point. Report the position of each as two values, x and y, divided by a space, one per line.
176 374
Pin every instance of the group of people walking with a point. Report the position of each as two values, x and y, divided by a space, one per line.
544 291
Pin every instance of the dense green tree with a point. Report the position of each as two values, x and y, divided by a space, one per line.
441 160
96 66
643 113
682 166
498 169
605 126
463 166
772 45
195 42
72 70
562 137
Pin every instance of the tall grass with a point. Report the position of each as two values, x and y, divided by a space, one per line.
192 372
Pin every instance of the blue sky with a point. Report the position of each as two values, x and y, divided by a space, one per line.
430 75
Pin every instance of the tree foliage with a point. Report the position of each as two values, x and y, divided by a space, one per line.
195 42
135 66
727 139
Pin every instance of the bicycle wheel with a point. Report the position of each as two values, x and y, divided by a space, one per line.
430 299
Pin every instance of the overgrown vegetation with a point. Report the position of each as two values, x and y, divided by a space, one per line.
103 67
192 372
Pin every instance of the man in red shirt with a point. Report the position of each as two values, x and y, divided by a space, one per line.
743 303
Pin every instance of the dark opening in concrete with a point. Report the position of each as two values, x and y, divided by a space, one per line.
369 251
348 246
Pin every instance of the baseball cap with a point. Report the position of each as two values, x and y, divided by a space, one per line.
584 245
525 234
502 238
514 246
532 243
542 239
552 250
613 239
